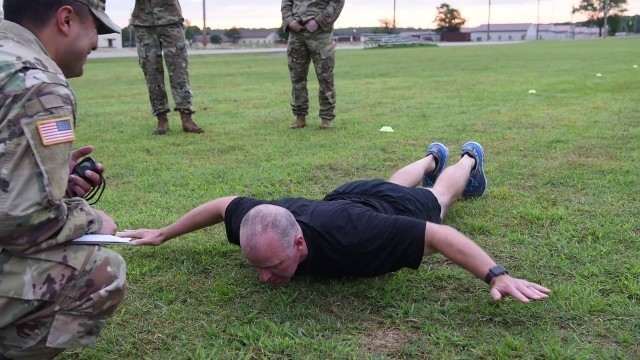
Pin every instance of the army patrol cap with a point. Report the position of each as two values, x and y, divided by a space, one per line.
105 25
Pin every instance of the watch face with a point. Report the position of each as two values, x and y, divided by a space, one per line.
497 270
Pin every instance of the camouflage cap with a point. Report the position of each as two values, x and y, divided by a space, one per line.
105 25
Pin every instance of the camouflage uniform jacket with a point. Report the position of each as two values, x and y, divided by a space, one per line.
156 12
324 12
37 121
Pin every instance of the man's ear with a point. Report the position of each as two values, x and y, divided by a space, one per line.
298 241
64 17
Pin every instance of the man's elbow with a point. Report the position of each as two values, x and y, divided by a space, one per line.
435 236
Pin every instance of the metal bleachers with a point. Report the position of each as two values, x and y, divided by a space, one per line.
390 40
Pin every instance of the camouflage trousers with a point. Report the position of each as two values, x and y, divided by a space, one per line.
47 306
152 43
303 48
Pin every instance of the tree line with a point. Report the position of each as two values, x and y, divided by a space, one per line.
191 33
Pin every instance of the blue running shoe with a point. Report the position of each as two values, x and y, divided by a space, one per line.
440 154
477 183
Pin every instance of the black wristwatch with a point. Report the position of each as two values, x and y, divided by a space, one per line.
494 272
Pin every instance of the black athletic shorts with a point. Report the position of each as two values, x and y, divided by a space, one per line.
390 198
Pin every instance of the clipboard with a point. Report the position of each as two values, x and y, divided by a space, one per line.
100 239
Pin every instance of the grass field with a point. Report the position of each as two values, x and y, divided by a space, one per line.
562 207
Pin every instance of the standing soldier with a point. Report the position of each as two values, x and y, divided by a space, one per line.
53 295
310 26
159 30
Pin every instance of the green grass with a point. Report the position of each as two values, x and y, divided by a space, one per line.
562 206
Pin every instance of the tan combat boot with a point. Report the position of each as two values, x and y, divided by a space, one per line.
301 121
326 124
188 125
163 125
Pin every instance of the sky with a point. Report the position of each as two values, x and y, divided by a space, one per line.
224 14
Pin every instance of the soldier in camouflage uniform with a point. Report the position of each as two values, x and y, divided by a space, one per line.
159 30
53 295
310 26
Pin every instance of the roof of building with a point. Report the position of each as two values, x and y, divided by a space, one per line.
256 33
503 27
569 28
546 27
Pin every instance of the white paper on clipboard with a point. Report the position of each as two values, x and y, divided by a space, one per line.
100 239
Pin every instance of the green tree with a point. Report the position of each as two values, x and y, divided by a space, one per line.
628 24
634 23
448 19
598 11
233 34
191 31
283 35
614 23
128 36
215 39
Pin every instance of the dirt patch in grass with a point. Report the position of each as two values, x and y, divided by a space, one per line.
385 341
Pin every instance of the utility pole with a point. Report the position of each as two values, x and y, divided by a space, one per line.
606 14
573 29
489 23
538 22
130 30
394 15
204 24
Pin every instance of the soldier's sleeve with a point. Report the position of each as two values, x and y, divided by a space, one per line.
330 14
34 169
287 13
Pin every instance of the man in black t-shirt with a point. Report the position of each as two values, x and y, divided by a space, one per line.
363 228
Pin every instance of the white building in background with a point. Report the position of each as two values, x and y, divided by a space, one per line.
113 41
560 32
541 32
500 32
258 36
529 31
576 32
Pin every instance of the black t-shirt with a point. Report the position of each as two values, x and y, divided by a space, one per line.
344 237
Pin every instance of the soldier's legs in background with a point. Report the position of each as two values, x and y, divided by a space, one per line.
174 48
150 59
298 59
59 307
322 50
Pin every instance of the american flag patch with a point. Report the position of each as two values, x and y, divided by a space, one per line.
56 131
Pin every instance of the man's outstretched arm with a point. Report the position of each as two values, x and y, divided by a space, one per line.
207 214
463 251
